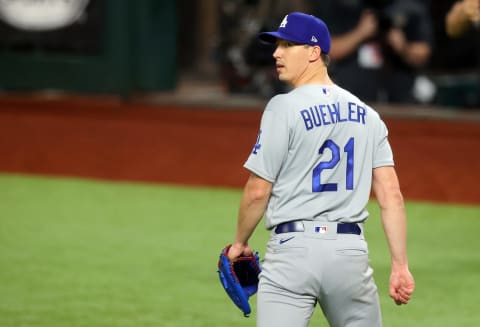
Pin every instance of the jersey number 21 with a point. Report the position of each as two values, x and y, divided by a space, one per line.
317 185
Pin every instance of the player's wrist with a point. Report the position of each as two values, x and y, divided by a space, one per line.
240 240
239 245
399 265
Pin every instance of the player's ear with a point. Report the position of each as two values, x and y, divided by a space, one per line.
315 53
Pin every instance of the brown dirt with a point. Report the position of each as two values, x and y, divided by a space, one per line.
437 160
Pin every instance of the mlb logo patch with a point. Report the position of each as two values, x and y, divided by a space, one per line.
321 229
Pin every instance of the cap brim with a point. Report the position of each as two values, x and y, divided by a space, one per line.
271 37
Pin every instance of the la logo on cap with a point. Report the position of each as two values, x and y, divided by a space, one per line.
284 22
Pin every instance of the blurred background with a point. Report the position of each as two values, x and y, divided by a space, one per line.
166 50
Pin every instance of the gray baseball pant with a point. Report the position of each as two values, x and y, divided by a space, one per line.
320 266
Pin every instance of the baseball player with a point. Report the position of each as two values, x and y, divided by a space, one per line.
319 152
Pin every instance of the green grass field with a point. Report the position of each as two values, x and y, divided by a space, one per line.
87 253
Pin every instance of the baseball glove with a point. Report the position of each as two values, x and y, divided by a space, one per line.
239 278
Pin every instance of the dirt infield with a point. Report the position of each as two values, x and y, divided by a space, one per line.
437 160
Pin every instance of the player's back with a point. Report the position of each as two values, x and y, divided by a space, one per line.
334 140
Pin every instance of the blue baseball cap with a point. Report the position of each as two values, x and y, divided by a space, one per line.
301 28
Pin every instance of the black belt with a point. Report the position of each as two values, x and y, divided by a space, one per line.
297 226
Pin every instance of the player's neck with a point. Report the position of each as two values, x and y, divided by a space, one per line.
319 76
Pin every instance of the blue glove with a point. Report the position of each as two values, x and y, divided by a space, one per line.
239 278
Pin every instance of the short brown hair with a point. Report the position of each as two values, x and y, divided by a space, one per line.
325 58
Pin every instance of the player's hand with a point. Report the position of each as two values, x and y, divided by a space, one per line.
402 285
237 250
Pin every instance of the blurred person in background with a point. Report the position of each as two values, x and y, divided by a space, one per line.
247 66
462 16
462 25
379 47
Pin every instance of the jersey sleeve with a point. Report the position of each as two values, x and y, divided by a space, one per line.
383 155
271 148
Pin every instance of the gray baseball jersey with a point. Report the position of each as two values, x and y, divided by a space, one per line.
312 145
